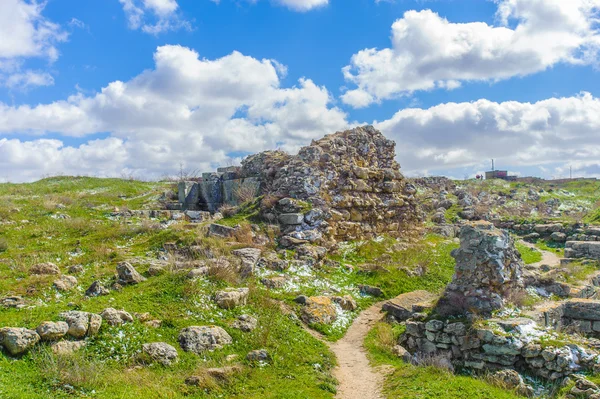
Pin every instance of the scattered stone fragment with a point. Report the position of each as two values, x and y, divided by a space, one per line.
52 331
245 323
232 297
197 273
96 289
510 379
369 290
15 302
46 268
66 347
402 353
128 274
346 302
82 324
205 338
65 283
161 352
114 317
401 307
18 340
274 282
272 261
153 323
156 270
259 355
219 230
249 258
76 269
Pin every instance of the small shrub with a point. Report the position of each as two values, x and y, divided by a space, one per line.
229 210
245 193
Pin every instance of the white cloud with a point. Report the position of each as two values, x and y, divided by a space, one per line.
303 5
429 52
25 34
154 16
186 110
459 135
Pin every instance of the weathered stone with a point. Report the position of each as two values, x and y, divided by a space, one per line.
66 347
44 269
232 297
369 290
402 353
76 269
346 302
291 219
219 230
128 274
401 307
14 301
260 355
249 258
96 289
585 309
161 352
488 271
52 331
114 317
198 272
319 310
18 340
82 324
65 283
205 338
245 323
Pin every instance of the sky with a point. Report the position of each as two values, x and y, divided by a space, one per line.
143 88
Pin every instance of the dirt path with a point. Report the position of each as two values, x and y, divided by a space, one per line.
357 379
548 258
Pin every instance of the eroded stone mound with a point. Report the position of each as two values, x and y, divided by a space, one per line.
351 176
487 274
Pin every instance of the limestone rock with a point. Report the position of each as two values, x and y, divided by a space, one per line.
402 353
114 317
96 289
369 290
18 340
205 338
46 268
197 273
232 297
401 307
82 324
66 347
161 352
14 301
65 283
319 310
245 323
346 302
249 258
52 331
128 274
260 355
76 269
488 271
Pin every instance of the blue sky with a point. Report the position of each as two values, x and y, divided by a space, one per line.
517 80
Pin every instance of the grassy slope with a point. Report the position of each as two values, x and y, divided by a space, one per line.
529 255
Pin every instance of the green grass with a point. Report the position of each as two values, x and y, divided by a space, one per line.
549 246
33 232
529 255
408 381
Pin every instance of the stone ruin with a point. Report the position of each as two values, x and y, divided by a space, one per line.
350 182
487 274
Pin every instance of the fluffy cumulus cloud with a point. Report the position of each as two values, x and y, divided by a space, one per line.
429 52
154 16
557 131
25 34
302 5
195 111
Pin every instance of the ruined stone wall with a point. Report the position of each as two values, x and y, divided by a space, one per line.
488 272
352 176
583 249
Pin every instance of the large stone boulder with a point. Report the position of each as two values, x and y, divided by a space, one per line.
18 340
82 324
52 331
232 297
160 352
65 283
487 274
318 310
205 338
128 274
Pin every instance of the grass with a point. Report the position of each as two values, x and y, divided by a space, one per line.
70 221
549 246
409 381
529 255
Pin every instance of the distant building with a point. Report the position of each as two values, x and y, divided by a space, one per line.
499 174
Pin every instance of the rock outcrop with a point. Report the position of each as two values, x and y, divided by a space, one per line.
487 274
205 338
